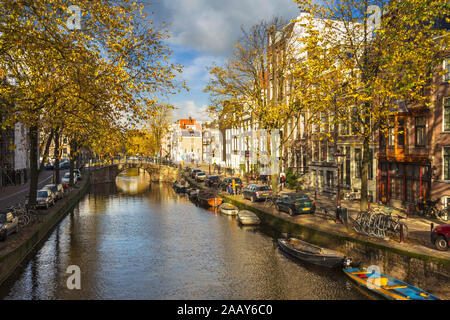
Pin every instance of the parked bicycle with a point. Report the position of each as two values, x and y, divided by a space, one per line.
428 209
271 202
379 223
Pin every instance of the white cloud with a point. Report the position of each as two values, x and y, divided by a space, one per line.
188 108
196 74
214 25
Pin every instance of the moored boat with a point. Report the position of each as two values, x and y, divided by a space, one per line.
193 194
246 217
179 188
386 286
228 208
305 251
209 199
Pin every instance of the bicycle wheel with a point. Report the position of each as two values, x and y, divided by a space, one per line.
443 215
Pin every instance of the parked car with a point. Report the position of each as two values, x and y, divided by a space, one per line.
200 176
45 198
194 172
8 224
78 173
223 185
256 192
440 236
49 166
66 178
212 181
64 165
57 189
294 203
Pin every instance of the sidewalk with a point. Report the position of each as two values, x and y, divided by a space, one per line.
419 227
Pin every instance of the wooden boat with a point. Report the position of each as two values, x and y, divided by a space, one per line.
179 188
314 254
209 199
246 217
385 286
193 194
228 208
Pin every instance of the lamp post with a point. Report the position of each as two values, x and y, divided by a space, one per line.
297 153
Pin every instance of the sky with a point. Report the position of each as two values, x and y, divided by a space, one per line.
203 33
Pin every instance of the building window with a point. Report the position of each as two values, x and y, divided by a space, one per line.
447 114
391 137
323 156
323 122
445 202
447 69
446 163
302 125
401 133
420 131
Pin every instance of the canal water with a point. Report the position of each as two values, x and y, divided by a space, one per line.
140 240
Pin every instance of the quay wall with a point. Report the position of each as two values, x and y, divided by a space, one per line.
13 255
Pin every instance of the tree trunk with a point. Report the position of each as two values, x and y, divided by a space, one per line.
364 175
56 156
72 161
34 171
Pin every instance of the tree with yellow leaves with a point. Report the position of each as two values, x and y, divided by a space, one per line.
374 54
96 78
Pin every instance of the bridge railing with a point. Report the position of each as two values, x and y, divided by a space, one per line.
95 163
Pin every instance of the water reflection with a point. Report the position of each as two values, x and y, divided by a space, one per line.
157 245
133 181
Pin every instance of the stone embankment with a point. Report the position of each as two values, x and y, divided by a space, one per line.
18 246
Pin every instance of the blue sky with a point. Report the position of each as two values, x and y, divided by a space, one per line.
203 32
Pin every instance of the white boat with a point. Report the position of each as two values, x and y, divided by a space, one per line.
246 217
228 208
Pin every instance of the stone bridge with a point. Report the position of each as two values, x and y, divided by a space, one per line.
108 173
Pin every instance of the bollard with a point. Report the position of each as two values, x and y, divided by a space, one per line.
432 226
401 233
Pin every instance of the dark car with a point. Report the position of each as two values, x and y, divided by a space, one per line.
223 185
212 181
48 166
440 236
293 203
256 192
64 165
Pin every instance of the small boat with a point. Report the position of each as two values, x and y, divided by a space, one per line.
314 254
246 217
385 286
228 208
209 199
179 188
193 194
